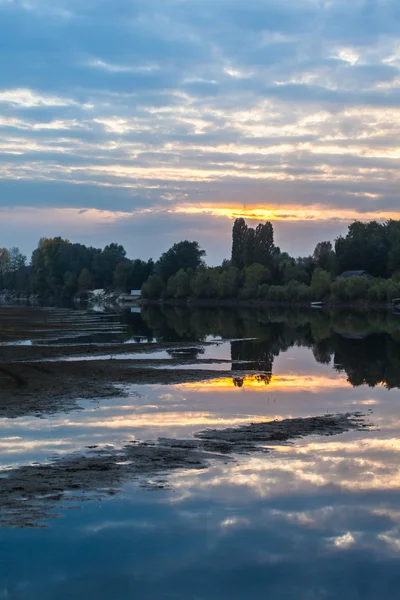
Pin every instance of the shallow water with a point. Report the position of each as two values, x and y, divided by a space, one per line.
315 518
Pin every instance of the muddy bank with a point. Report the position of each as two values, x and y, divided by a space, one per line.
47 387
20 353
33 382
32 323
29 494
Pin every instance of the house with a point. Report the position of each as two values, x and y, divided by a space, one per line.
136 293
349 274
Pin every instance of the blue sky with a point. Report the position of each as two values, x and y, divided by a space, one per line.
150 122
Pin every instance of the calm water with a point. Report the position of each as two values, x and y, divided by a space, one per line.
315 519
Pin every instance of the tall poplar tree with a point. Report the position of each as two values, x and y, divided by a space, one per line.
249 246
264 244
239 232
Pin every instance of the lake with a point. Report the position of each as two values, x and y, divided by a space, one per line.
95 506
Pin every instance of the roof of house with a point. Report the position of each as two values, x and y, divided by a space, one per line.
348 274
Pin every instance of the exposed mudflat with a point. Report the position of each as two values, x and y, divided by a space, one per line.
29 494
47 387
31 323
32 381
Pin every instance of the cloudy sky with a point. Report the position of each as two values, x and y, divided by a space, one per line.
151 121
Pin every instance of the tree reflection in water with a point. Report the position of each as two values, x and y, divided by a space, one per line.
363 344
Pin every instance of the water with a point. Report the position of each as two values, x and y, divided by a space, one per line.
315 518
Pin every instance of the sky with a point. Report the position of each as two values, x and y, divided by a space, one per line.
151 121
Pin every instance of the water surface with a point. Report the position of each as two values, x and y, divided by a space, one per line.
316 518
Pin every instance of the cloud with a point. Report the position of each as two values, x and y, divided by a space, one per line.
210 108
97 63
31 99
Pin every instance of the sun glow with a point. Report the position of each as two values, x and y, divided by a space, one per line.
292 382
287 213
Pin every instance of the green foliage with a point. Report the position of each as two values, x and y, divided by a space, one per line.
179 285
321 284
357 288
182 284
153 288
254 276
228 284
205 284
70 283
184 255
122 276
354 289
105 264
131 275
366 247
295 272
249 247
324 256
264 244
377 292
85 280
12 268
258 270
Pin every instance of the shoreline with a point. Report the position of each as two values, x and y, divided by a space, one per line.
237 303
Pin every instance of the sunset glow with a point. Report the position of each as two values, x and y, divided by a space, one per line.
287 213
292 382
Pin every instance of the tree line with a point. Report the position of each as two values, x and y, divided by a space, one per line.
256 270
60 269
259 270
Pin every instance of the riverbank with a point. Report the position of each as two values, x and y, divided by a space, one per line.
265 304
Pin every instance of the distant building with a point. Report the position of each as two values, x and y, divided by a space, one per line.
349 274
136 293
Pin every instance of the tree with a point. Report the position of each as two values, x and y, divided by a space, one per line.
324 256
295 272
16 259
249 247
228 283
4 263
264 244
48 267
239 232
70 284
365 247
321 284
141 271
182 283
16 262
123 275
394 258
105 264
184 255
254 276
153 288
205 284
85 280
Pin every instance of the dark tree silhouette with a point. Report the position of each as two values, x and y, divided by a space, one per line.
239 233
264 244
184 255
